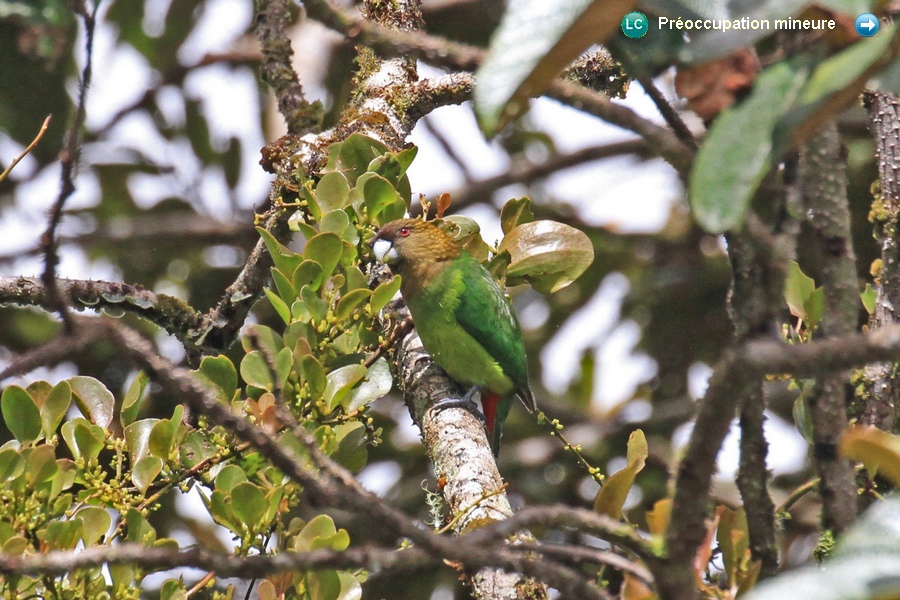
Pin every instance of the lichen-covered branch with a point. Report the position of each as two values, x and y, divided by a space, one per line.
175 316
300 115
823 184
881 387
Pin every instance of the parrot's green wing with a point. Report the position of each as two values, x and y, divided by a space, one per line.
485 313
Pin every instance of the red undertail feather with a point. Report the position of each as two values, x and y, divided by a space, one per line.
489 402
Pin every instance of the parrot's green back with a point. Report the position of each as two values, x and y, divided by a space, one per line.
463 317
468 326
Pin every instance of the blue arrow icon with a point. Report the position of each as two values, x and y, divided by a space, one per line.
867 25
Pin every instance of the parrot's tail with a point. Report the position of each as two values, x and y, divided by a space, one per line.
495 411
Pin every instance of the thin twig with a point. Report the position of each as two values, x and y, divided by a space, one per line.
69 161
25 152
668 112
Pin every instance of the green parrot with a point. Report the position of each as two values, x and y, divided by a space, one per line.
463 317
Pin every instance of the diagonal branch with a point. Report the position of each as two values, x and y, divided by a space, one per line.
300 115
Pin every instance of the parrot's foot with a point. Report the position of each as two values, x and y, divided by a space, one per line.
466 402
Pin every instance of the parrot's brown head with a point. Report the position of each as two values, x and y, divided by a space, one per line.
407 242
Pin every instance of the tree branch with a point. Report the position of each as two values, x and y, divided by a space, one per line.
880 380
823 183
175 316
300 115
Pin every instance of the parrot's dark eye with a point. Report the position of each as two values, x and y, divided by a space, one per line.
404 231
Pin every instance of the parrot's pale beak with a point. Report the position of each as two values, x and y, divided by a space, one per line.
385 251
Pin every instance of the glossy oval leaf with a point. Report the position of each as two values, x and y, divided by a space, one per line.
228 477
131 404
145 472
339 382
20 414
137 438
547 254
535 40
350 302
514 213
40 464
55 407
94 401
376 384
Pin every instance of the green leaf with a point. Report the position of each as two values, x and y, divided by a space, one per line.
319 527
256 372
803 417
317 308
868 297
313 375
21 414
285 259
266 337
55 407
94 401
376 384
354 155
220 371
40 464
350 301
131 404
547 254
145 472
161 437
90 439
308 273
351 451
835 84
139 529
325 249
62 535
339 382
248 503
11 465
323 585
336 222
534 42
137 438
737 151
333 191
355 279
286 290
280 307
378 194
611 497
514 213
804 299
230 476
384 293
733 538
195 449
96 523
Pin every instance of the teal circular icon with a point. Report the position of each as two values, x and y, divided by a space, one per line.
635 25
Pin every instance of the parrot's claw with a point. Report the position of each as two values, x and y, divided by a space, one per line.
466 402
